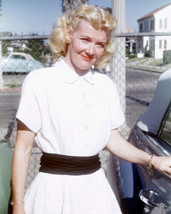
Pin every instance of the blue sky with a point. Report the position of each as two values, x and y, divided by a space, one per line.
135 9
31 16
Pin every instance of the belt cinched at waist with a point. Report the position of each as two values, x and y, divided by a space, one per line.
69 165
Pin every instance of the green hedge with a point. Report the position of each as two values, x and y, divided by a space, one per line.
167 56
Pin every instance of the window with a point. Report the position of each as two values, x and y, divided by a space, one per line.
152 25
22 57
165 134
15 57
141 27
160 23
165 23
165 44
160 43
146 25
152 44
18 57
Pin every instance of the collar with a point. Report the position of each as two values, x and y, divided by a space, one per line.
70 76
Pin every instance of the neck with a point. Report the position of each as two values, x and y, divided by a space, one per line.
77 70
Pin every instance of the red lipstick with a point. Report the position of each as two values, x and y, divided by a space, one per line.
86 58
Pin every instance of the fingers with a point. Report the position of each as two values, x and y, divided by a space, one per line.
168 170
162 164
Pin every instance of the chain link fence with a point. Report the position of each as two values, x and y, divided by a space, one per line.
135 71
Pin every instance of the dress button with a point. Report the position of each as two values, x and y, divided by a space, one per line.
83 94
86 146
86 128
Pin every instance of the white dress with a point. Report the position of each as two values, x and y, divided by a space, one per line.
71 115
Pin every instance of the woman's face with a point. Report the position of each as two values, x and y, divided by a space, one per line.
86 47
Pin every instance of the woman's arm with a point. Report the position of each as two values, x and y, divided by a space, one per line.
22 153
126 151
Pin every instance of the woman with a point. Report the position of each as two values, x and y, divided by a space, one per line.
73 113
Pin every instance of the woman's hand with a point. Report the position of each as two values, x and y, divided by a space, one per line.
162 164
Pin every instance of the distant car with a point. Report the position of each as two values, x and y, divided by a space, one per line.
18 62
142 192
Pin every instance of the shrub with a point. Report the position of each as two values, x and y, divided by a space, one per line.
167 56
132 56
148 53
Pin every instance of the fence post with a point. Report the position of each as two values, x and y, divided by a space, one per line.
1 79
118 69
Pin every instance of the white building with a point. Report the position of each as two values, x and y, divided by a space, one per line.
158 20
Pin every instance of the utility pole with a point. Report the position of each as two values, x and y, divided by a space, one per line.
1 78
72 4
119 77
118 69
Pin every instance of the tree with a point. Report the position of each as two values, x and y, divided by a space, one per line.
72 4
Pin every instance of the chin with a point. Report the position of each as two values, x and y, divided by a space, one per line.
85 68
86 65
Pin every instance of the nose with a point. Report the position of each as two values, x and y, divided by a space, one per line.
90 50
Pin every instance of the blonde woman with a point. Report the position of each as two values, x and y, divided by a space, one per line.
73 113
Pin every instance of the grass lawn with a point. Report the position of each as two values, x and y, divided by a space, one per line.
148 64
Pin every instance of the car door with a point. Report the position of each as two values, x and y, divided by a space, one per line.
156 191
22 63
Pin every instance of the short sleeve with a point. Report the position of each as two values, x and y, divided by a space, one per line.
29 107
116 114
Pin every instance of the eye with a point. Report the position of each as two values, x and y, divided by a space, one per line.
101 45
84 39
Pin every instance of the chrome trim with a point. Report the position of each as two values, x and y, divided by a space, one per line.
159 149
147 196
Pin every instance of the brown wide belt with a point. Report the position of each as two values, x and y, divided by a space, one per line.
69 165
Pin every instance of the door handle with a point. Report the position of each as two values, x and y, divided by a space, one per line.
149 197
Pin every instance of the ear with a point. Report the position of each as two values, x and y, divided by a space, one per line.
68 35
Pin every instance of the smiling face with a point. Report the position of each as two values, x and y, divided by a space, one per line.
86 46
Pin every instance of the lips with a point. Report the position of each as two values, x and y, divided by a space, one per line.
86 58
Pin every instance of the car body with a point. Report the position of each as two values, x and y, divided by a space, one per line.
6 154
141 191
18 62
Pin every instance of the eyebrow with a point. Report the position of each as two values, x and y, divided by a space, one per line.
89 38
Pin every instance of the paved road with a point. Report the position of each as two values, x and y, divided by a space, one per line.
140 86
8 107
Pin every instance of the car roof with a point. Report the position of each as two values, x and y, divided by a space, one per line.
28 56
151 119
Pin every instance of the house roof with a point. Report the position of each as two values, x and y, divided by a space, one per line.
153 12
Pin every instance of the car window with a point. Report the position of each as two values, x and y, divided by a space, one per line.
22 57
18 57
165 133
6 55
15 56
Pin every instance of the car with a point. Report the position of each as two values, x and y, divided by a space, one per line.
141 191
6 154
18 62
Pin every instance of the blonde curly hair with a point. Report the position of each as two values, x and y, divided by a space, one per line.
97 17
